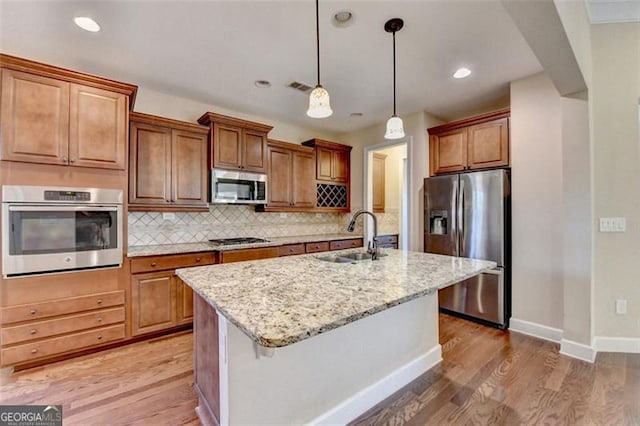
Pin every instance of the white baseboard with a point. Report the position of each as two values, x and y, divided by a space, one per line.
535 330
577 350
371 395
617 344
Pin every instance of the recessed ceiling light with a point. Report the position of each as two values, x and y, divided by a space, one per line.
87 23
462 73
342 18
356 114
263 84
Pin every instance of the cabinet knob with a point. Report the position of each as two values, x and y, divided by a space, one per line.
99 336
33 331
153 263
99 319
34 351
99 301
198 259
33 311
65 160
71 160
291 250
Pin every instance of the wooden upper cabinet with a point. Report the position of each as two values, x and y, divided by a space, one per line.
475 143
379 164
237 144
168 164
333 160
291 176
55 116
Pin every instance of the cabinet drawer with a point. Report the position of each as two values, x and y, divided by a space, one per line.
345 244
173 261
316 247
58 345
248 254
388 239
50 308
41 329
291 249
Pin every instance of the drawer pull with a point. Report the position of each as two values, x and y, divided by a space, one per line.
99 301
99 319
34 351
198 259
290 250
153 263
33 331
33 311
99 336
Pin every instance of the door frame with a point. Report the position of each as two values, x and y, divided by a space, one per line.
367 179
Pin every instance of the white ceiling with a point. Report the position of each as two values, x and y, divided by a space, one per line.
213 51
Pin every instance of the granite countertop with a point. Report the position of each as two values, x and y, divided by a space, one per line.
280 301
154 250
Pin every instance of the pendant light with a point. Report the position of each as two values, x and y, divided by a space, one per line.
395 129
319 106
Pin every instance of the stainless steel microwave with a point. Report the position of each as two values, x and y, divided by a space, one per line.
229 187
53 229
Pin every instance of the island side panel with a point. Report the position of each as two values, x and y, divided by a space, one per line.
335 376
206 362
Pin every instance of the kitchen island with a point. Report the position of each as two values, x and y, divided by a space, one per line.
303 340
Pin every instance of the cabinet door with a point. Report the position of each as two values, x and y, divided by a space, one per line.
254 156
185 302
97 128
378 182
150 168
153 302
34 118
226 147
448 151
324 161
302 180
488 144
188 168
279 183
340 166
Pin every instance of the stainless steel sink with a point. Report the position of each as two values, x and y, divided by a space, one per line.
335 259
348 257
357 256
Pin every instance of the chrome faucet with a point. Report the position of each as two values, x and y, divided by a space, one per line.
372 246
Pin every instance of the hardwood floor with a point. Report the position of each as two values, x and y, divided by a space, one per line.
493 377
487 377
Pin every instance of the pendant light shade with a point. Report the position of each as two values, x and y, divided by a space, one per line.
319 106
395 127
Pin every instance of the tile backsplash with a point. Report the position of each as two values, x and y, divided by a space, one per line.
147 228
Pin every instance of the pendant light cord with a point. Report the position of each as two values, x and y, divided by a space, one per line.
318 41
394 73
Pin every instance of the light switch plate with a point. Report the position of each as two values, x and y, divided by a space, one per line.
613 224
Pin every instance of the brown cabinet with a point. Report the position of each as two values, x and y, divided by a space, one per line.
236 144
168 164
333 168
55 116
36 331
345 244
475 143
378 171
240 255
159 299
291 177
388 241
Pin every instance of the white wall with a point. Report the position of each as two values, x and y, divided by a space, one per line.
537 201
152 102
415 126
393 175
615 96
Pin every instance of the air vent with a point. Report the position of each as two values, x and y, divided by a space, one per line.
300 86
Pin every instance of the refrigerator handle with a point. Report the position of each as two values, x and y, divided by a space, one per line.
455 217
460 220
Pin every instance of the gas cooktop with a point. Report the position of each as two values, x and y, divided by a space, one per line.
233 241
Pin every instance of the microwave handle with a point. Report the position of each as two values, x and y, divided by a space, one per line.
57 208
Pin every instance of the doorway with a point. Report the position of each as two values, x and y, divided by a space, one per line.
386 189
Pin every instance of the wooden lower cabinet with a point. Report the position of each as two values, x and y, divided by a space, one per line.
159 299
241 255
388 241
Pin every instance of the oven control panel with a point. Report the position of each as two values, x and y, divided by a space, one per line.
67 196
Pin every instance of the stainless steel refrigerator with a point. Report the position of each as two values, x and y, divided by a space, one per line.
469 215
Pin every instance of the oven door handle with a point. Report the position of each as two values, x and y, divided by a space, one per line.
54 208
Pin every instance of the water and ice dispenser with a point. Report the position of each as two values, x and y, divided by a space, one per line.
438 222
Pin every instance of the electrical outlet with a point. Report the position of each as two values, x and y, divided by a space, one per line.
621 306
168 216
613 224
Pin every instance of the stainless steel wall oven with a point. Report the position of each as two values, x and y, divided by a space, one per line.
53 229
